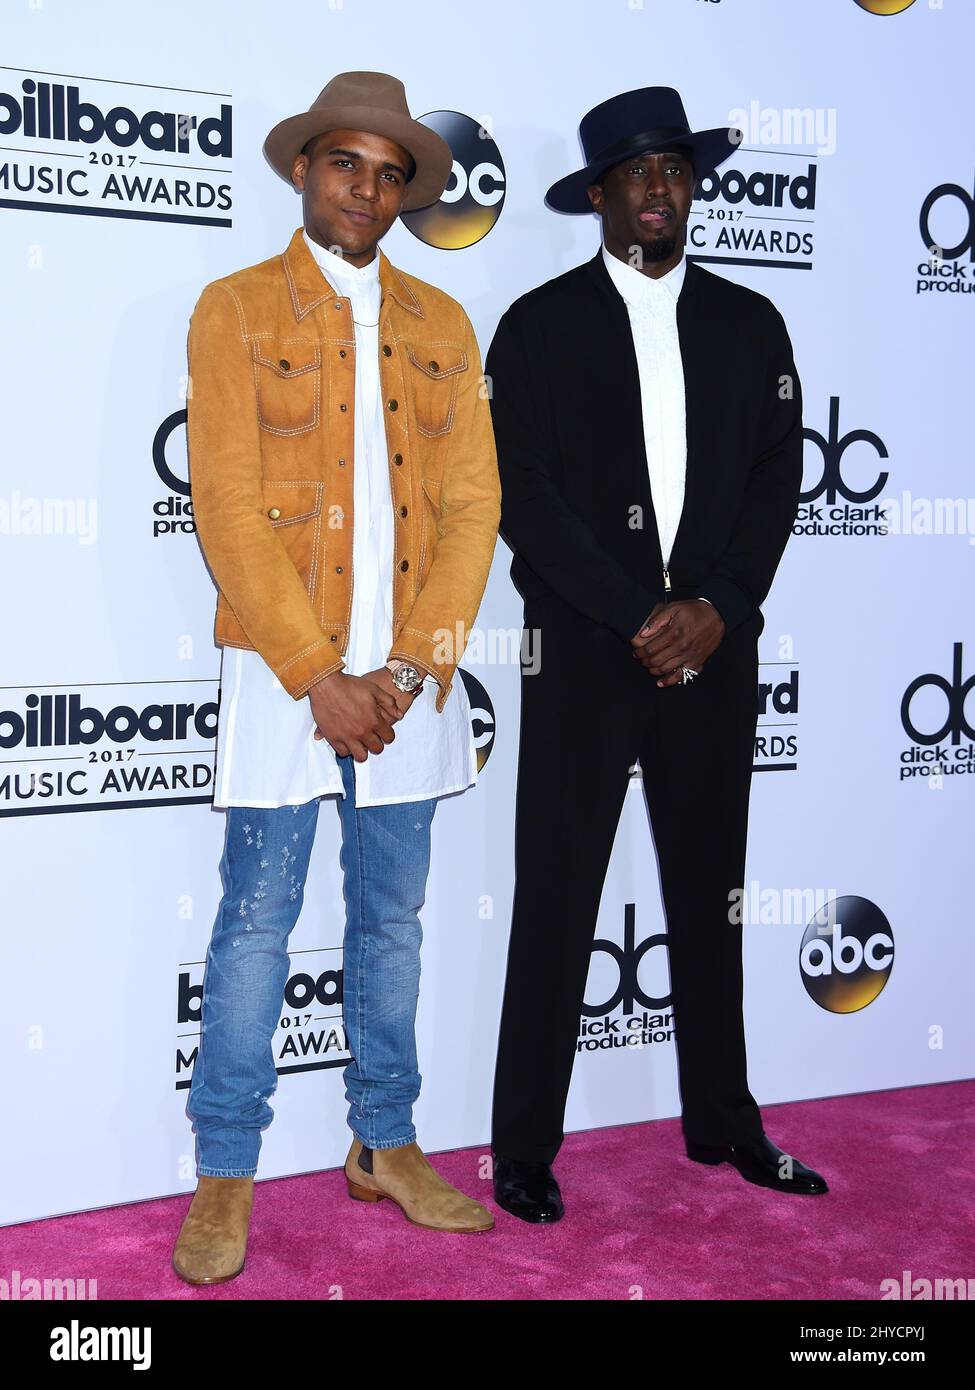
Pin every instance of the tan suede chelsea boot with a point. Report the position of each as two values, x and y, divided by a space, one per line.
212 1241
405 1176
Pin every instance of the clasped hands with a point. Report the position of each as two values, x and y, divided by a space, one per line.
682 633
356 714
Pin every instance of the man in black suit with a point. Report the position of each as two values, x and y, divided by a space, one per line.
648 420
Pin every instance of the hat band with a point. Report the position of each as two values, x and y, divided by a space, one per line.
634 143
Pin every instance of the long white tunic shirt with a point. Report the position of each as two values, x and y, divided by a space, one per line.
267 754
652 309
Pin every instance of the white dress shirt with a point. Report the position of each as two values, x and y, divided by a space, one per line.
652 308
267 754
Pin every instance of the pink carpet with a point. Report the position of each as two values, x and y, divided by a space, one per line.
639 1215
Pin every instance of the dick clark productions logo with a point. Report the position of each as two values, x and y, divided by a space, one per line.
628 1015
859 513
935 719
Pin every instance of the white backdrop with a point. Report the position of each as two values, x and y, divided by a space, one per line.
110 893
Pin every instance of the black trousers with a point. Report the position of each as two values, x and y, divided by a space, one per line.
588 714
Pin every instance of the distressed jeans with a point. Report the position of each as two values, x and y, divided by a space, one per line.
385 858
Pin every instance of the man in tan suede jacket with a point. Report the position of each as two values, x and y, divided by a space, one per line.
346 494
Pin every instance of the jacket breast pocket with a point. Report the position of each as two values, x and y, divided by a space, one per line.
435 373
288 378
294 510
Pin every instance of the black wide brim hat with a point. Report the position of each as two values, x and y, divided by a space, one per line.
638 122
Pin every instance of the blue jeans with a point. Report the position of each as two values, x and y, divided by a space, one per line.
385 858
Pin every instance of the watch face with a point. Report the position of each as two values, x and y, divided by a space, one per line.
406 677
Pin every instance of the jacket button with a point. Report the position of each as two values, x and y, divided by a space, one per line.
434 366
333 638
284 364
274 513
338 306
341 463
341 352
387 350
402 511
393 405
397 459
338 569
343 406
404 564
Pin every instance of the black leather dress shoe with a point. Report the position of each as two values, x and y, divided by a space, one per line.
528 1190
763 1163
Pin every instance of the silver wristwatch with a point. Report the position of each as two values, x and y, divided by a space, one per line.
405 676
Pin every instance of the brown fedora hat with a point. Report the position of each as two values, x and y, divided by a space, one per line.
374 102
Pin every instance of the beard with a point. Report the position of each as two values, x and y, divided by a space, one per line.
659 249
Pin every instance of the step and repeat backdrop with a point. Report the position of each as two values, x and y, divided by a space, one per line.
131 174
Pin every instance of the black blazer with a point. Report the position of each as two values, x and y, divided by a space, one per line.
565 403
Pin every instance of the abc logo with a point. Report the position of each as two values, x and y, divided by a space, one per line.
846 955
472 201
885 6
482 716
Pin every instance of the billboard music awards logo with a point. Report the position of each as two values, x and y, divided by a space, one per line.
842 501
310 1035
846 955
947 227
936 720
471 203
759 207
632 981
777 729
108 746
777 732
123 745
115 149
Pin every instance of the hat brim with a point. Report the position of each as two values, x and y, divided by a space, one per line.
431 153
708 149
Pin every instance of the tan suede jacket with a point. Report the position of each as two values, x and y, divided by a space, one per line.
270 426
